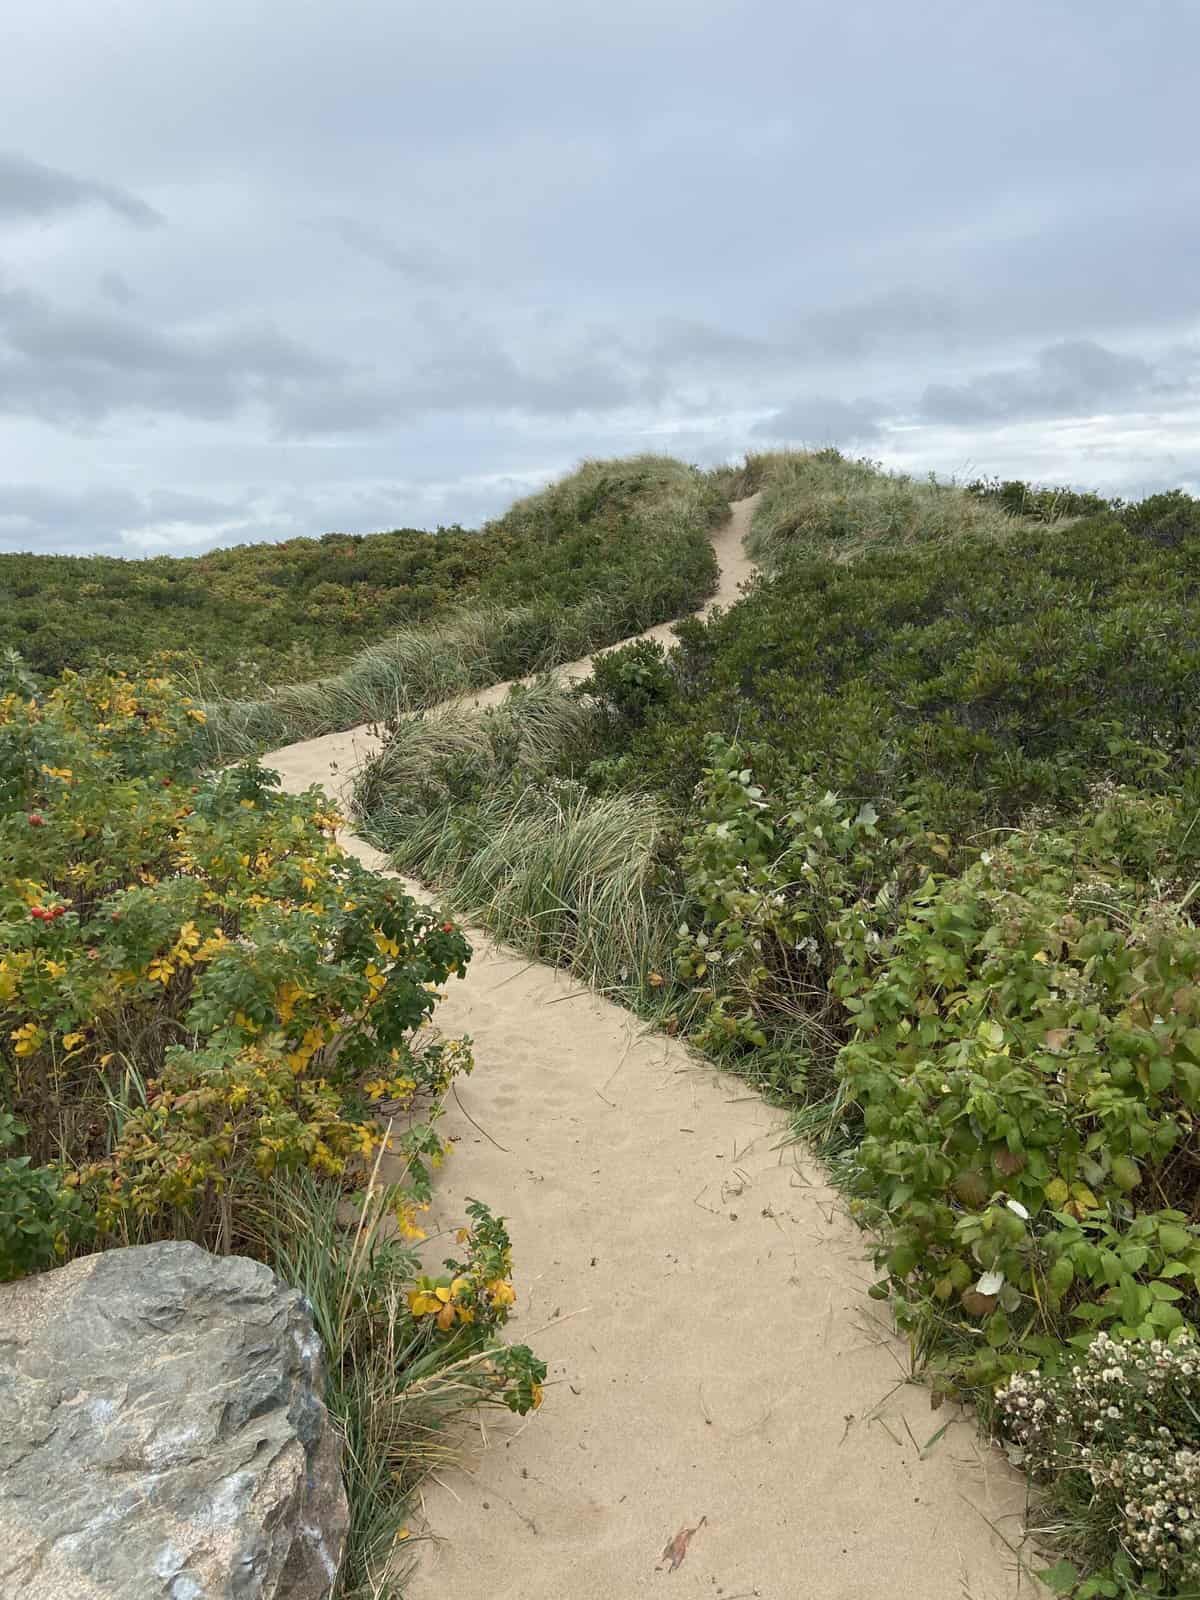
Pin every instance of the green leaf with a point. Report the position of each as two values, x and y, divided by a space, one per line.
1173 1238
1160 1075
1164 1291
1061 1577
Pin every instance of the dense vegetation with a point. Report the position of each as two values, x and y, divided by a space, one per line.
214 1025
910 837
595 557
606 552
243 617
975 679
824 505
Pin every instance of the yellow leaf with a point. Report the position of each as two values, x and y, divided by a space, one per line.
1041 955
1057 1193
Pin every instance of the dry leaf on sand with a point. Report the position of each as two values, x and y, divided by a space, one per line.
676 1548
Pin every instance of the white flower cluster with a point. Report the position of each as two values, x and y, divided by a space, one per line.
1127 1416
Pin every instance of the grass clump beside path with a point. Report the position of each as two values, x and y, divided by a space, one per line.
607 552
920 854
470 801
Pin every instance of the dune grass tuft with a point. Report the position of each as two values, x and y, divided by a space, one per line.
394 1397
821 504
468 800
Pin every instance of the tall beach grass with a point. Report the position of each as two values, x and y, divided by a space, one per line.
819 503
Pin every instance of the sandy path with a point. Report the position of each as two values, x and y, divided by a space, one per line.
698 1293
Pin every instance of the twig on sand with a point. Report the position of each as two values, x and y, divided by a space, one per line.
898 1442
474 1124
1023 1568
555 1321
629 1043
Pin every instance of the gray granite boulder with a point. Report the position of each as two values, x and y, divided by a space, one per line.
162 1433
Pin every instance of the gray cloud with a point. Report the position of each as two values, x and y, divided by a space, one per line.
82 366
1070 378
30 190
469 370
115 287
822 420
418 264
33 515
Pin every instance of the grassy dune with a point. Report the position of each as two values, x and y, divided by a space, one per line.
606 552
824 505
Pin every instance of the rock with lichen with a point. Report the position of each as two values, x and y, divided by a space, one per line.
162 1433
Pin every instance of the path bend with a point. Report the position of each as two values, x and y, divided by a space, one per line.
699 1294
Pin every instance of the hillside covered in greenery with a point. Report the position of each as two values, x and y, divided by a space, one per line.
613 548
239 620
909 837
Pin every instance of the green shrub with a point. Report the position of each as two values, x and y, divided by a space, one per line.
1038 502
764 889
1026 1062
627 682
968 682
213 1025
1169 519
197 988
42 1218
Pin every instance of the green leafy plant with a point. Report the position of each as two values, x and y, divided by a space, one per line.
216 1025
1026 1061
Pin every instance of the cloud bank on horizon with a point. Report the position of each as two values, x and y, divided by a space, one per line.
276 270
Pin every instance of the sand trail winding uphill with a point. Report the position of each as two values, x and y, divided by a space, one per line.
714 1362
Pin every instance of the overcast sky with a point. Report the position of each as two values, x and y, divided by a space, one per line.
271 269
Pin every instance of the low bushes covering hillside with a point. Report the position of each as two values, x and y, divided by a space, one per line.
983 677
214 1025
242 617
913 841
606 552
627 538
